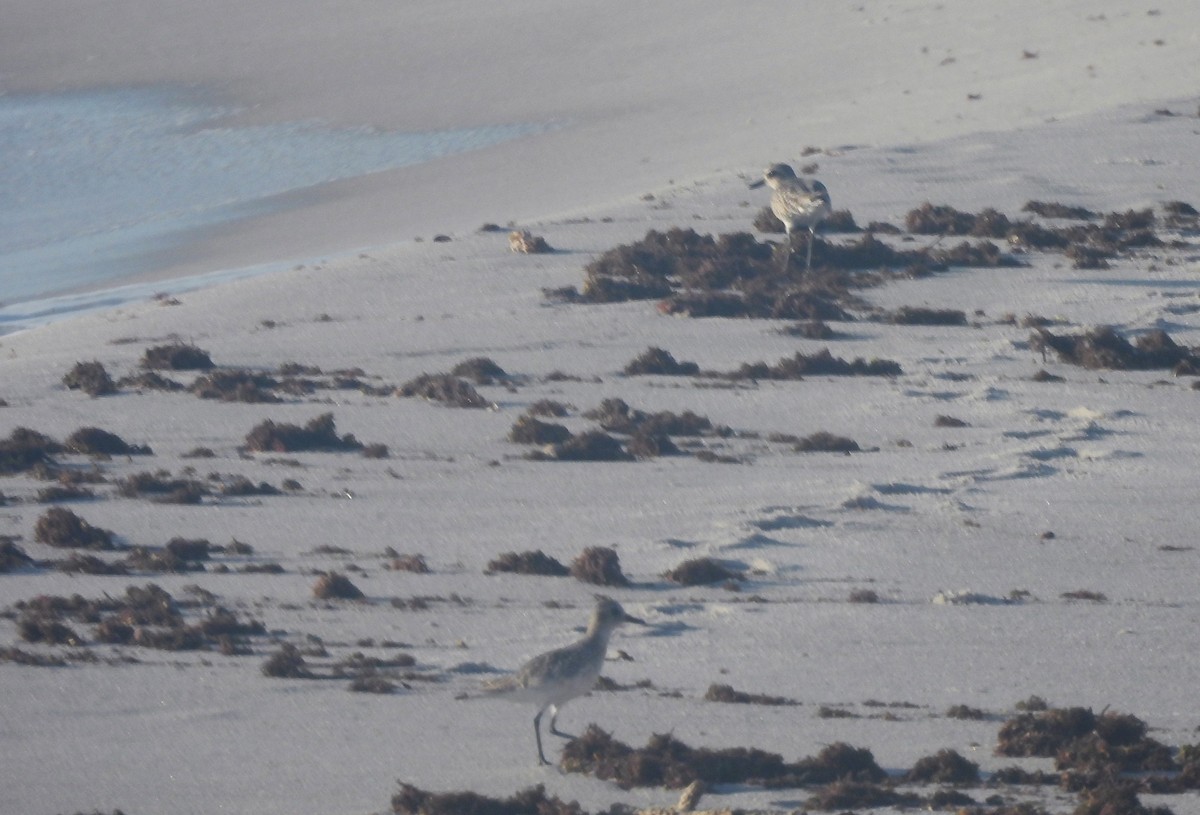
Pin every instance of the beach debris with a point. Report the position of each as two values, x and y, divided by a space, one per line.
336 586
658 361
820 363
536 562
319 435
528 430
599 565
286 663
12 557
26 449
62 528
665 761
176 357
91 378
162 488
96 442
1103 347
825 442
945 767
445 388
526 243
727 695
702 571
480 371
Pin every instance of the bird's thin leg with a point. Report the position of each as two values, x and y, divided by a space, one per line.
554 722
537 734
812 236
787 257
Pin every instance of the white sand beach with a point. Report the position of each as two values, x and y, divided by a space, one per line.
1042 548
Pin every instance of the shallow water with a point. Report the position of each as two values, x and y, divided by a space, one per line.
93 184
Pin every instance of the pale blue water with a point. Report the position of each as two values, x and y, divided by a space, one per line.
92 184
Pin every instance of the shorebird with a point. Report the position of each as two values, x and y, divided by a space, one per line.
797 202
552 679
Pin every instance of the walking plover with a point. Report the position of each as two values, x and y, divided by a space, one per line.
552 679
797 202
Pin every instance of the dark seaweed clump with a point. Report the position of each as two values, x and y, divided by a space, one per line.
946 767
318 435
12 557
93 441
667 762
161 488
237 385
616 416
1088 245
336 586
146 616
727 695
531 801
1103 347
479 370
735 275
702 571
64 529
176 357
528 430
445 388
658 361
286 663
25 449
536 562
599 565
919 315
91 378
1095 750
825 442
822 363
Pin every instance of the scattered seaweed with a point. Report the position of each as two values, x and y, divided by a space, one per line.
945 767
848 794
26 449
1051 209
528 430
658 361
726 694
531 801
63 529
1103 347
286 663
822 363
825 442
667 762
237 385
920 315
319 435
702 571
480 371
93 441
12 557
176 357
526 243
162 488
445 388
591 445
91 378
536 562
336 586
599 565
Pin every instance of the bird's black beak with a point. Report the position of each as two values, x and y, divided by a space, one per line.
629 618
754 185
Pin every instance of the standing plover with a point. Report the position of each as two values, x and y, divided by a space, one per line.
798 202
552 679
